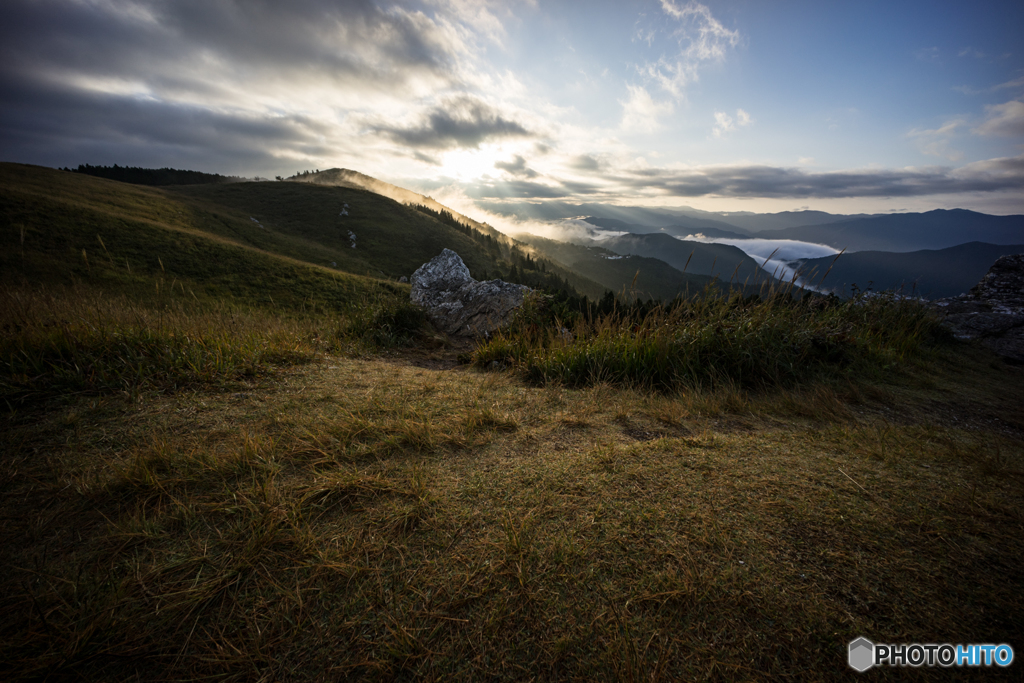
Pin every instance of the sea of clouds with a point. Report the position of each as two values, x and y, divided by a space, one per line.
781 258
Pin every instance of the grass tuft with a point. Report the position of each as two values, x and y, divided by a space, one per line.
716 340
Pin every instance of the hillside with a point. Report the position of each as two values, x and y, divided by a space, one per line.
343 177
219 236
929 273
653 277
722 261
305 221
61 228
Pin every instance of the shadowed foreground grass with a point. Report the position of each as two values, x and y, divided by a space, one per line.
329 516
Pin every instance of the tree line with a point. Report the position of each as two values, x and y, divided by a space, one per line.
150 176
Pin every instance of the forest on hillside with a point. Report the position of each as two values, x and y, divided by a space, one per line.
151 176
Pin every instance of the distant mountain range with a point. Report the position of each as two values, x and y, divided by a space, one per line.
900 232
929 273
937 229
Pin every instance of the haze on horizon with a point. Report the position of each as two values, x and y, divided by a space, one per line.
721 106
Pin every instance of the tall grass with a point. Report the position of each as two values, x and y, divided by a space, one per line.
713 339
78 339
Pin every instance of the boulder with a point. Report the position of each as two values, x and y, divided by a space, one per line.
993 311
459 305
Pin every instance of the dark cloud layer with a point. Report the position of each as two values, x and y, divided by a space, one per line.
516 167
772 182
769 181
57 126
456 122
585 162
348 42
193 81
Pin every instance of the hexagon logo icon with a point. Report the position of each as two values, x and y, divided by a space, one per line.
862 654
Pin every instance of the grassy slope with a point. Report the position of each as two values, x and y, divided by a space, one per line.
376 519
391 239
343 178
64 228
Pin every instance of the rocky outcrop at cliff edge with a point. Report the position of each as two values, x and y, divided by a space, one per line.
459 305
993 311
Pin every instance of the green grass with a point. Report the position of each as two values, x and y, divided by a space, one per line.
64 228
80 340
714 339
392 240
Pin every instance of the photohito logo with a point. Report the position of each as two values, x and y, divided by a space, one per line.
863 654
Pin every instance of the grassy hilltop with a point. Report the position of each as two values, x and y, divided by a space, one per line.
223 457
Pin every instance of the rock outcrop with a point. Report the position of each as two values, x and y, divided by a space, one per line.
459 305
993 311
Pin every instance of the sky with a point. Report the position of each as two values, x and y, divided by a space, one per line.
743 105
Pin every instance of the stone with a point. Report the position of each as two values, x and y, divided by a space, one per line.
459 305
993 311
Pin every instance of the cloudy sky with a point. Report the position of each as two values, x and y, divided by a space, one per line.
734 105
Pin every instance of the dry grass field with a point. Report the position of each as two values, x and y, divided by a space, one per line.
202 485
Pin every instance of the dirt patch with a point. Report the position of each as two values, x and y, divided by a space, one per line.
448 354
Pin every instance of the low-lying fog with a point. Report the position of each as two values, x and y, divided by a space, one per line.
780 257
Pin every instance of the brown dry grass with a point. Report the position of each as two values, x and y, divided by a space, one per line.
376 520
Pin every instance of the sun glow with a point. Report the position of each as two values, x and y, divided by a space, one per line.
470 164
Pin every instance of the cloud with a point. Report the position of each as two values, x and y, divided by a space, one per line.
937 142
1003 120
725 123
516 167
57 126
308 71
1010 85
183 48
640 112
759 181
461 121
645 183
584 162
1015 84
426 158
778 257
519 189
701 39
768 181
